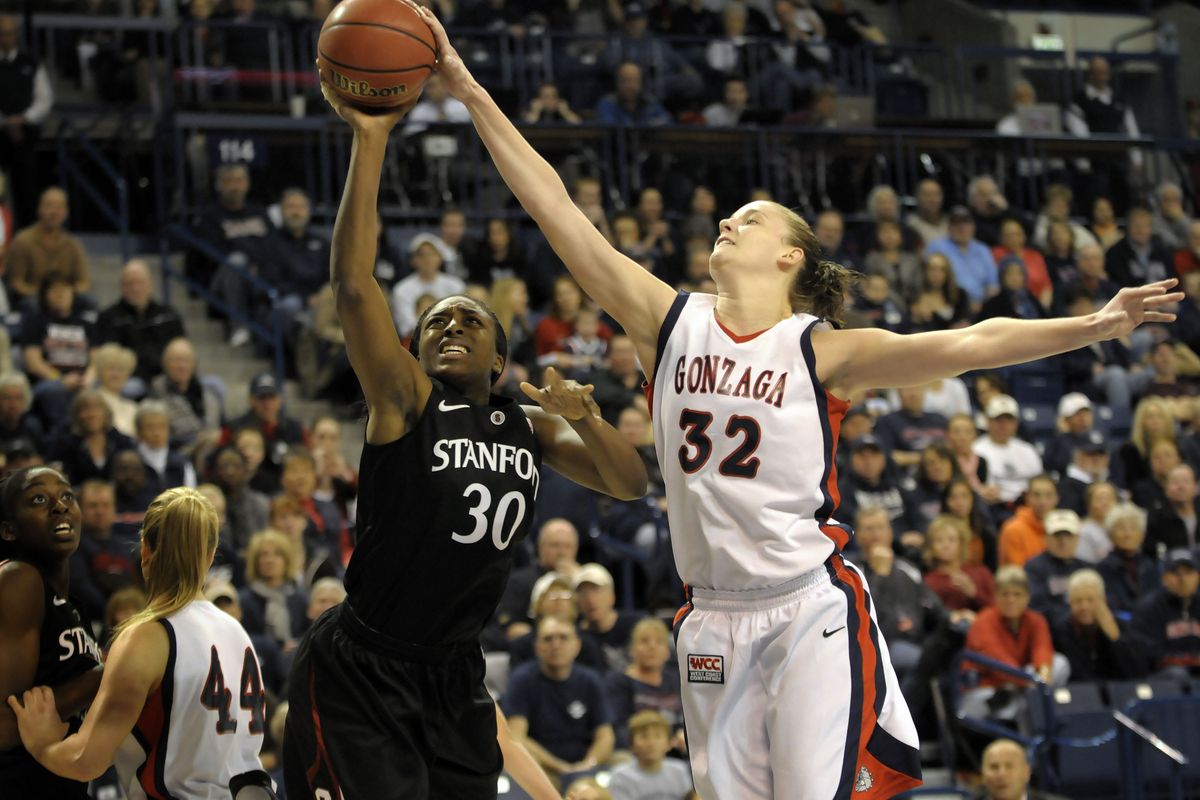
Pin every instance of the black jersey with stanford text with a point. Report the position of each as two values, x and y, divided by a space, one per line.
439 512
65 651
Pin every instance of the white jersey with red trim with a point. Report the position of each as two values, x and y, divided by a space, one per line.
205 722
745 437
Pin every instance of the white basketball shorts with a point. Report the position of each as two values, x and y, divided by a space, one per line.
788 693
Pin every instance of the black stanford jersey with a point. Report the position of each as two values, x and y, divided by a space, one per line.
65 650
439 511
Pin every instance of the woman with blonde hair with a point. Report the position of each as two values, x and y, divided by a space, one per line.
1152 421
960 585
509 301
86 449
113 365
180 710
272 602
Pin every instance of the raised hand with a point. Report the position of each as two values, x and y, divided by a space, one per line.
449 64
568 399
1134 305
37 718
364 120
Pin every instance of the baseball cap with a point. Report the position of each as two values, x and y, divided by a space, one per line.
20 447
1181 556
593 573
431 240
863 442
263 385
1096 442
1062 520
220 591
1071 404
635 11
541 587
961 214
1002 404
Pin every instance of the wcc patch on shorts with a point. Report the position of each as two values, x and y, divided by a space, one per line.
705 668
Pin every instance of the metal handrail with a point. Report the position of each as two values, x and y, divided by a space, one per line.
118 216
272 335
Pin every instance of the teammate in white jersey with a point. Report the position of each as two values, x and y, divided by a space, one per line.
788 691
181 706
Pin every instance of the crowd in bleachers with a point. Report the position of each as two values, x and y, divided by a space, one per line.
1045 516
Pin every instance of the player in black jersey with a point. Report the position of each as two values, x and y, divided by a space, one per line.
43 641
386 692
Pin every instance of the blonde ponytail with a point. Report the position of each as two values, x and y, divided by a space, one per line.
180 530
820 286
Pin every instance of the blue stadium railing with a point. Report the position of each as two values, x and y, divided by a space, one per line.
796 164
282 53
112 199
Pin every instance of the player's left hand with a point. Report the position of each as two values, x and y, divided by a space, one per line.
568 399
1134 305
37 718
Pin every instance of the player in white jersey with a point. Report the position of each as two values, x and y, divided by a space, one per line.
788 691
180 709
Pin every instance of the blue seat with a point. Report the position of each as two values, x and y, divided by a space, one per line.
1092 772
1122 694
1074 698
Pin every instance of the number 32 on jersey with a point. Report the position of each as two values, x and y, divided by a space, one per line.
744 432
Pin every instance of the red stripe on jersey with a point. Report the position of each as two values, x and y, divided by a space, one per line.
837 408
648 390
150 727
737 337
322 759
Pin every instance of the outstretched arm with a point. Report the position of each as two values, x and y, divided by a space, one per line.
850 360
393 383
579 444
637 299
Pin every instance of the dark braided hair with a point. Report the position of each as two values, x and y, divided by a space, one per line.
414 345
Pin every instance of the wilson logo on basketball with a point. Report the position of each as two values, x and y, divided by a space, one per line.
364 89
706 669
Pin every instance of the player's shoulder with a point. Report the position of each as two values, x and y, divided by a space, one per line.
22 591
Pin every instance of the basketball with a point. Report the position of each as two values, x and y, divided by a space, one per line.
375 53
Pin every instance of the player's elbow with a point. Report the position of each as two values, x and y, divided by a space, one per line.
633 486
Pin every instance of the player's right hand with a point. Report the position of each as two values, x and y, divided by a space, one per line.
449 63
363 120
37 719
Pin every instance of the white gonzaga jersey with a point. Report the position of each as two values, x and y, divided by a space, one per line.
745 437
205 723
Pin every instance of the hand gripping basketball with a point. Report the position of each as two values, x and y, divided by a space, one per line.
449 64
568 399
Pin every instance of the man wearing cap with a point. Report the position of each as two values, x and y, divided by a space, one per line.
867 485
1012 462
597 607
427 278
974 268
266 415
1089 465
1175 523
1075 421
1023 535
1048 571
1166 621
